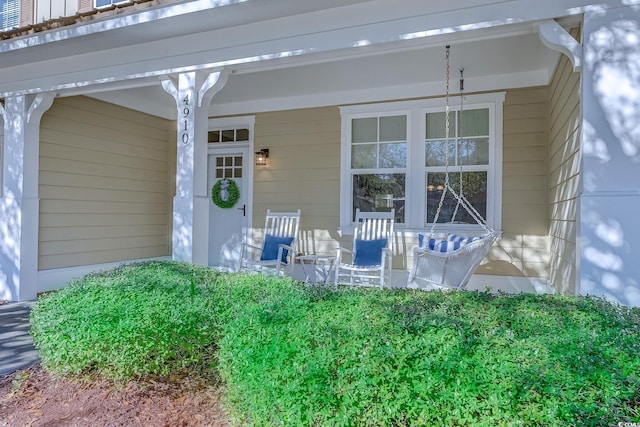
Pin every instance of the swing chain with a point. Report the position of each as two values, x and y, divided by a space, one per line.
446 138
459 137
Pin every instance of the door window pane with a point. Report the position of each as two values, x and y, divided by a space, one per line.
228 135
229 167
242 134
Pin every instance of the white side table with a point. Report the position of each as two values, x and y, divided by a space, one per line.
317 268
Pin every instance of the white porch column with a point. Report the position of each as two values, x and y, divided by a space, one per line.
608 252
19 203
192 94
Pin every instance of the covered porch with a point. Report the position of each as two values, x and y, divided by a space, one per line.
206 86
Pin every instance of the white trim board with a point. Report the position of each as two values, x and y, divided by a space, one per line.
54 279
495 283
50 280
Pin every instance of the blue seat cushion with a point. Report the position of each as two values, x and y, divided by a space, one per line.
271 246
452 243
369 252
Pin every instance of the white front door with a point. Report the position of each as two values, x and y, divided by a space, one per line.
228 226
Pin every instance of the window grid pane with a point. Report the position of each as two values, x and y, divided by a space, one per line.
474 188
213 136
228 167
379 193
379 142
227 135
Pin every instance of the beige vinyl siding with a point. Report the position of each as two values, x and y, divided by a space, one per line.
104 184
303 172
523 250
564 173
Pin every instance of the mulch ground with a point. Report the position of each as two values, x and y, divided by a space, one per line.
32 397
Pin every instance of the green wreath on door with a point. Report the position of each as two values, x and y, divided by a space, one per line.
225 193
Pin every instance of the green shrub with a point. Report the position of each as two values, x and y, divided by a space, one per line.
368 357
155 318
320 356
130 321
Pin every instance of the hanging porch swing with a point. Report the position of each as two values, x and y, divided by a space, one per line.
450 261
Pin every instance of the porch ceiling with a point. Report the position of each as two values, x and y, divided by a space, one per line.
288 53
401 70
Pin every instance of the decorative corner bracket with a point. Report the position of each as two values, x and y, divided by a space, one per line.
556 38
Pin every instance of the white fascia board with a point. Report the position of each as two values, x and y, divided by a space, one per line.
165 57
253 11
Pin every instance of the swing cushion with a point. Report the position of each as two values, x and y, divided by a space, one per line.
271 246
369 252
452 243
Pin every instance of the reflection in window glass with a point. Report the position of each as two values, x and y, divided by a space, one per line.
474 188
436 125
364 156
364 130
393 128
228 135
379 193
474 123
393 155
242 134
373 150
435 153
213 136
474 151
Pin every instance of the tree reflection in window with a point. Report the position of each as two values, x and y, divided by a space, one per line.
379 193
474 188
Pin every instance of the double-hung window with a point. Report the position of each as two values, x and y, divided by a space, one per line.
9 14
397 155
377 152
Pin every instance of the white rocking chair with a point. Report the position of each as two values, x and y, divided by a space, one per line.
372 250
278 250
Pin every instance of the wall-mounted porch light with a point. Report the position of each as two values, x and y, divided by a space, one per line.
262 156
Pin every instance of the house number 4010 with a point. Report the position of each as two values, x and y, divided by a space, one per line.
186 111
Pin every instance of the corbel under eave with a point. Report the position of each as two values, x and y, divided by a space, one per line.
557 38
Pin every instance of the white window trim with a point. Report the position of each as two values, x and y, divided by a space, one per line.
415 197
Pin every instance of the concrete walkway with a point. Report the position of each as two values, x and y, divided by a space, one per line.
16 346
